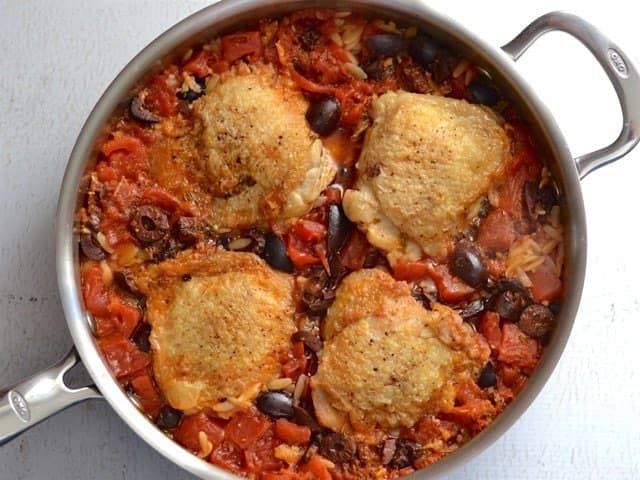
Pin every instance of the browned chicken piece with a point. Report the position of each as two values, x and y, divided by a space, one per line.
426 163
220 323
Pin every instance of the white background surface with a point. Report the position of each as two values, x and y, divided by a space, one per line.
56 58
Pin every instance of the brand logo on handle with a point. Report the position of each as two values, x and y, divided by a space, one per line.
19 405
618 63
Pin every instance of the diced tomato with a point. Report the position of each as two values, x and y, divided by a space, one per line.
291 433
228 456
317 468
147 393
246 427
516 348
115 230
190 427
238 45
497 231
126 316
411 271
510 377
296 363
355 250
450 288
545 283
489 327
472 408
123 197
94 291
299 252
127 144
162 199
127 156
309 86
260 457
198 64
309 231
122 356
106 173
105 326
333 194
161 97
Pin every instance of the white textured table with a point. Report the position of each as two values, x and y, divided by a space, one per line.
56 59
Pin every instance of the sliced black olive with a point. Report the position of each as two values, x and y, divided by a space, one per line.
168 418
142 113
405 454
318 293
141 337
547 197
149 224
275 404
378 70
481 91
336 447
188 230
190 95
310 340
536 320
91 248
302 417
385 44
466 263
472 308
324 115
275 253
443 66
487 377
124 280
423 50
309 39
338 228
509 301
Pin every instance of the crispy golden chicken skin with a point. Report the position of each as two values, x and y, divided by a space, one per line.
220 323
426 162
387 361
264 162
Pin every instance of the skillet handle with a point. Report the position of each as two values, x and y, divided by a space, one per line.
27 403
621 71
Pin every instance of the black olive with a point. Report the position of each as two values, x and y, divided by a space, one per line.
487 377
536 320
168 418
124 280
405 454
90 247
324 115
140 112
481 91
385 44
310 340
275 404
309 39
141 337
336 447
377 70
149 224
302 417
190 95
472 308
510 300
547 197
339 227
465 262
423 50
188 230
275 253
443 66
